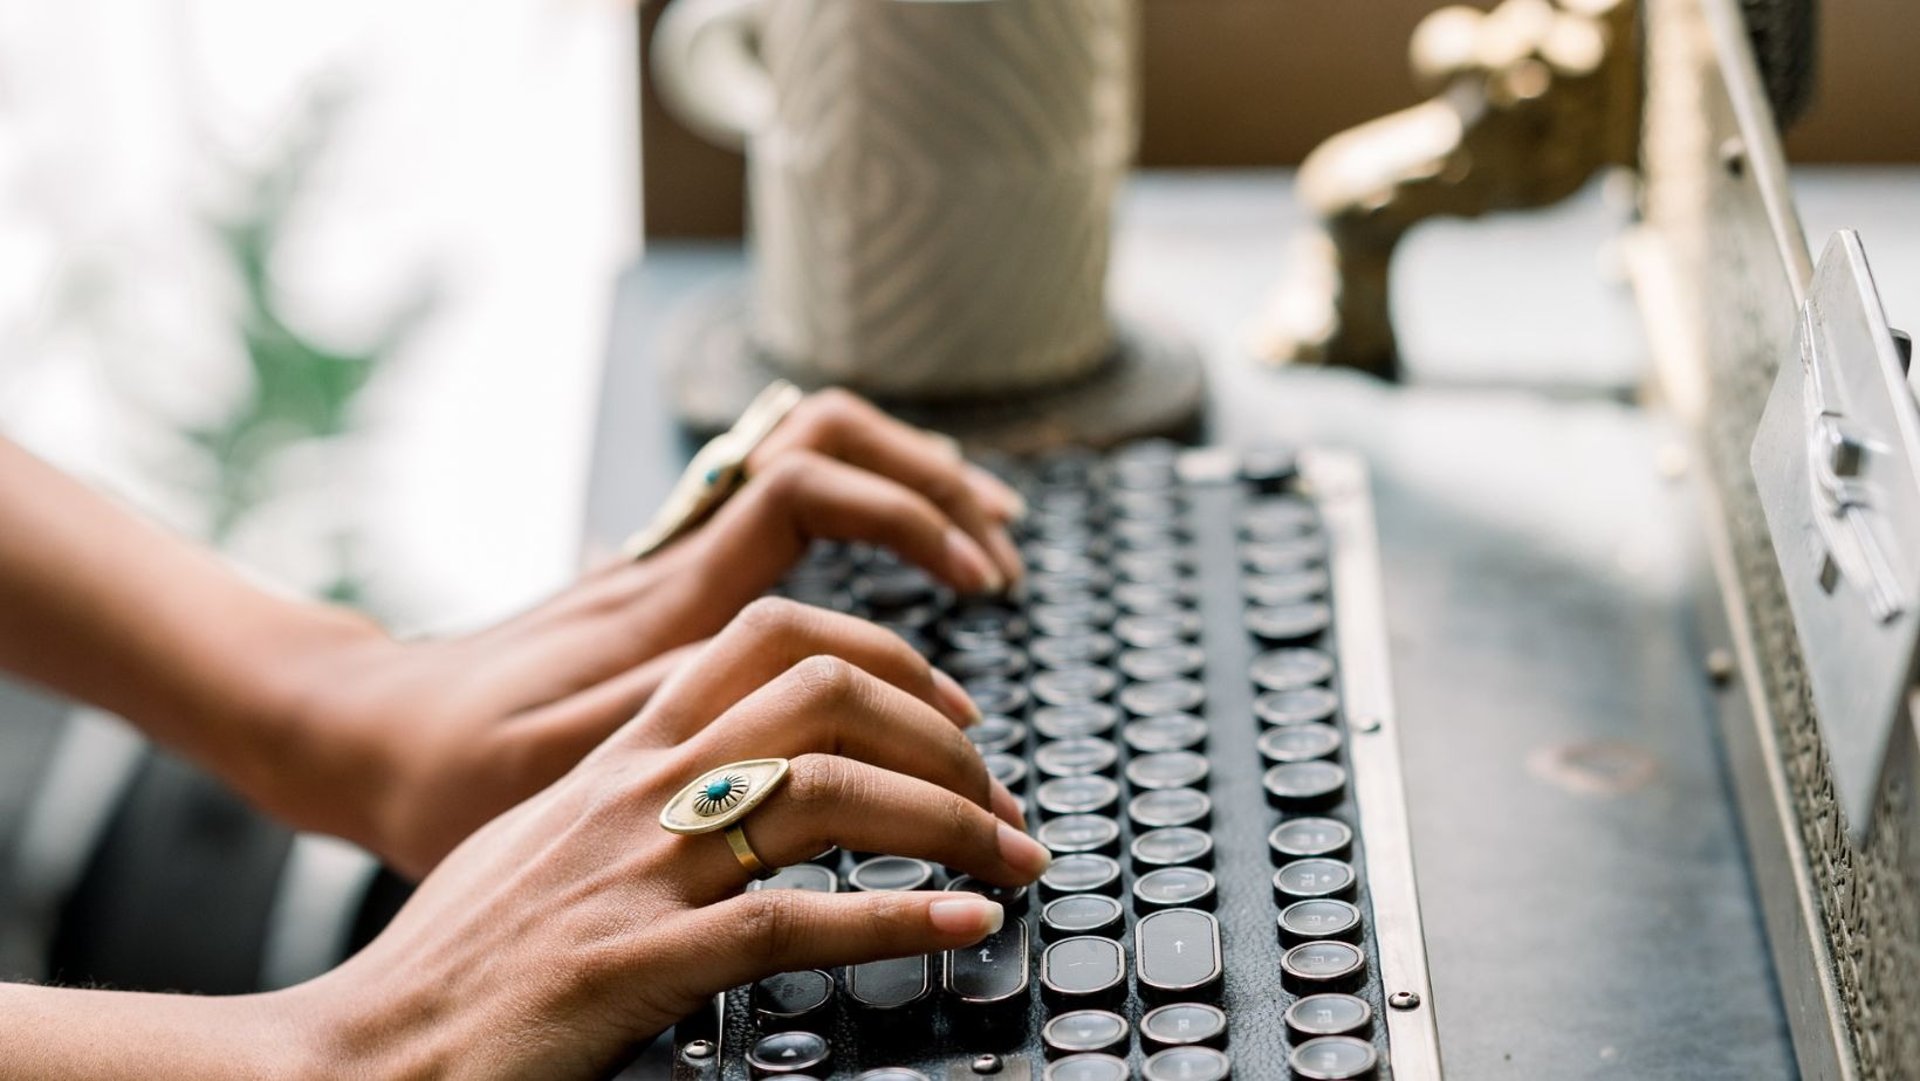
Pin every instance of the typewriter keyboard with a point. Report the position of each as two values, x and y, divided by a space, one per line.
1190 694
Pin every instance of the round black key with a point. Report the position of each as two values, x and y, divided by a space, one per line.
1287 587
1079 584
1008 769
998 696
1174 887
996 734
1304 786
1073 686
993 661
1082 872
1151 566
1075 721
919 641
792 999
1325 917
1011 898
1147 505
1167 807
889 873
1151 632
1072 650
1278 519
1152 598
1188 1064
1081 914
783 1053
1289 622
1325 965
1299 838
1269 469
1085 1032
1287 669
1089 1068
1334 1058
1299 743
1091 794
1184 1024
1168 769
1280 556
1166 662
1083 971
1313 877
1162 696
1302 705
1070 617
893 588
1074 757
1135 535
1079 833
1328 1014
1167 732
1047 554
982 626
1172 846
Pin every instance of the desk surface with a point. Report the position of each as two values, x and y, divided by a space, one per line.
1588 907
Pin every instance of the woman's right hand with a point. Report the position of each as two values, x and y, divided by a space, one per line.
573 927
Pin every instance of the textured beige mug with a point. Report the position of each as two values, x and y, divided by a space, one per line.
931 182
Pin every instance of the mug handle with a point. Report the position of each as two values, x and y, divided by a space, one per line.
707 71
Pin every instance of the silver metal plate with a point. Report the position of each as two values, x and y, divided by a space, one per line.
1834 459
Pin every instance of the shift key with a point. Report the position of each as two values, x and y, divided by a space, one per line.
1176 954
991 971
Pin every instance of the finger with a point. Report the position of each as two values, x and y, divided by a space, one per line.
770 636
823 705
771 931
558 734
828 801
846 427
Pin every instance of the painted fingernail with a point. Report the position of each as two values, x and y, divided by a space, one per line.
953 700
1023 853
966 916
971 564
1006 805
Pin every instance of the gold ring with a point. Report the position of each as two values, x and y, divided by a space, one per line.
721 799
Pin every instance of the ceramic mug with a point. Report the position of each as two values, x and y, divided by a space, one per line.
930 182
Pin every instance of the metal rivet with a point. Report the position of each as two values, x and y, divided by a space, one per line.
1403 1000
698 1050
986 1064
1720 667
1365 724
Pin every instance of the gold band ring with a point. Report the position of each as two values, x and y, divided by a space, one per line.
721 799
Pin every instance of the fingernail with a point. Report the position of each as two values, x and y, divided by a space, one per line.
975 570
1012 507
966 916
1016 506
1023 853
1007 554
1006 805
954 701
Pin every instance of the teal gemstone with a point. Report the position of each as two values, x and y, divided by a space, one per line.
713 475
719 789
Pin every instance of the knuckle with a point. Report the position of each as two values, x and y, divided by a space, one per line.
773 617
816 779
787 475
824 679
772 920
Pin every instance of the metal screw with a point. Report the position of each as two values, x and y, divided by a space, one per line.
1403 1000
1844 452
1733 156
1720 667
986 1064
1366 724
698 1050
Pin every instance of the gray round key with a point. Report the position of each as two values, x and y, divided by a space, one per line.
1314 877
1174 887
1278 518
1089 794
1165 662
1152 598
1162 696
1072 650
977 625
1325 965
1083 971
1173 846
783 1053
1285 669
1184 1024
1011 898
1089 1068
886 874
1279 556
995 734
800 876
1075 757
1152 631
1299 743
1301 705
1081 872
995 660
1188 1064
1334 1058
1070 722
1009 770
1081 914
1324 917
1327 1014
1298 838
997 696
1070 617
792 999
1151 566
1167 732
1170 807
1169 769
1080 1032
1304 785
1286 587
1288 622
1079 833
892 1073
1072 686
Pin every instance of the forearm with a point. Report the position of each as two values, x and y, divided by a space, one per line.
59 1034
107 608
